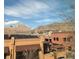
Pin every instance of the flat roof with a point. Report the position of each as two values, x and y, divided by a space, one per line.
20 36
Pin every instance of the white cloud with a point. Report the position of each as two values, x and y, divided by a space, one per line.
43 21
11 22
26 9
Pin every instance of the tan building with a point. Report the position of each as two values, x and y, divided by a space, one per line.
16 48
19 46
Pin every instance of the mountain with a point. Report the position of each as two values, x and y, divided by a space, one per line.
18 28
61 26
68 25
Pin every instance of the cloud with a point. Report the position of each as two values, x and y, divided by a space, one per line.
26 9
33 8
11 22
43 21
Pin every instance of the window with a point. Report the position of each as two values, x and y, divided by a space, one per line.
50 40
46 39
19 55
57 39
69 38
64 39
54 38
69 48
61 58
34 54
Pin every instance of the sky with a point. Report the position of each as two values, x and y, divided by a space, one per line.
34 13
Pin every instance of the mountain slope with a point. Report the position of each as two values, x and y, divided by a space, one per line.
62 26
18 28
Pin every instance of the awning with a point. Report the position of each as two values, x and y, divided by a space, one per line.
6 50
27 47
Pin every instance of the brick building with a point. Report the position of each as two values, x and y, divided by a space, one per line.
63 39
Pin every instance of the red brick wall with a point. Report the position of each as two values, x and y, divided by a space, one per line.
60 36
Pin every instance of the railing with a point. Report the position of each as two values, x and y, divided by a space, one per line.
8 42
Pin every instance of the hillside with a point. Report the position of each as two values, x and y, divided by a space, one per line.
18 28
62 26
